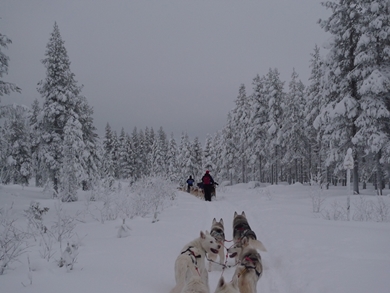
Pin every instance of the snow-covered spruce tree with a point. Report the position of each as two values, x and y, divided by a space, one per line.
72 169
229 151
5 87
241 120
294 140
314 131
208 150
35 138
148 144
259 118
158 155
275 96
122 155
62 101
17 136
341 89
137 155
197 154
217 142
173 174
181 157
372 70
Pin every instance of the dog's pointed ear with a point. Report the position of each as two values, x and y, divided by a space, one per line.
221 282
243 214
235 214
245 241
202 235
221 221
207 232
257 244
214 221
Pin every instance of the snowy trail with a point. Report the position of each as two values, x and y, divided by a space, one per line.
305 253
280 269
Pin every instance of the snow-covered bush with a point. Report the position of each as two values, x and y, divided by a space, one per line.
151 194
63 225
335 212
317 196
13 241
69 256
371 210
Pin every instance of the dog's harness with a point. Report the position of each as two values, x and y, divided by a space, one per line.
250 267
193 257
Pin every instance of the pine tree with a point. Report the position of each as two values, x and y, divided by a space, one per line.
197 158
314 128
241 119
372 70
62 102
292 127
72 169
341 88
173 168
16 146
275 96
5 87
229 151
208 160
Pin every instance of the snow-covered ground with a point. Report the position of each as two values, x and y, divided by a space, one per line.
306 251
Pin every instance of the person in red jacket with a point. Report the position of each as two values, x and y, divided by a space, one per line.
208 183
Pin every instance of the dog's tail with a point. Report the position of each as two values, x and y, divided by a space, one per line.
257 244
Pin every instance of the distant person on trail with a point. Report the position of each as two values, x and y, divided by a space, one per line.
190 183
208 185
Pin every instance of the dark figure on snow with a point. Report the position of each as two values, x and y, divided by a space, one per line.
208 185
190 183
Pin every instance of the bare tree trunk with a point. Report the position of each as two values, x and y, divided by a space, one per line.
355 172
379 173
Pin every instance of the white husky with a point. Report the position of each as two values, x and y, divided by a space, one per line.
223 287
195 285
191 261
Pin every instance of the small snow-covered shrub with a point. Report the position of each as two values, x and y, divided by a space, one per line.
266 192
69 256
366 209
317 198
13 241
151 194
335 212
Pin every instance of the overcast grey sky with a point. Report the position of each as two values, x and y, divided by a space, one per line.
176 64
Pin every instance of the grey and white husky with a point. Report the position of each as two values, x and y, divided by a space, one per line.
218 232
249 270
191 261
242 230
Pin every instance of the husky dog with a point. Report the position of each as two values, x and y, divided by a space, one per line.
249 271
195 285
191 260
223 287
218 232
241 230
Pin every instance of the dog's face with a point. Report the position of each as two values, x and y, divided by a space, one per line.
209 244
218 231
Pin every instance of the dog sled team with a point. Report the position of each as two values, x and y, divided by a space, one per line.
191 274
205 188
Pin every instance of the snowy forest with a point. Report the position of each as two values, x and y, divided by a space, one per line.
278 131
